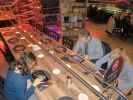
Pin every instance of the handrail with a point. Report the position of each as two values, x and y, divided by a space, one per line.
117 90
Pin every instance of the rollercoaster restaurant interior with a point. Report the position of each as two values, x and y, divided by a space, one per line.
66 49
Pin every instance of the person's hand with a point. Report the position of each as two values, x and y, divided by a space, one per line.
37 82
29 84
72 53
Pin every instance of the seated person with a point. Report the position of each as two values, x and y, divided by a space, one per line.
110 25
15 86
2 96
125 79
29 59
88 46
106 61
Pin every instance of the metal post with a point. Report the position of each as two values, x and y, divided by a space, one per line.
86 7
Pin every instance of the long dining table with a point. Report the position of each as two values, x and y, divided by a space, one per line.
69 78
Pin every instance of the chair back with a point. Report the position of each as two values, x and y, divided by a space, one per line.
115 69
106 48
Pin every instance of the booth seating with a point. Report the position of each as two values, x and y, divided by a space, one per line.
110 75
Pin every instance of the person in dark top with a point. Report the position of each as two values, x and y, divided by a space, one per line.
2 96
117 20
125 24
15 86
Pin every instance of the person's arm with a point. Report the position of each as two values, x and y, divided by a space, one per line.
30 91
125 78
102 61
21 89
76 47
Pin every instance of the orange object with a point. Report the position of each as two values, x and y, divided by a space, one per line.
2 46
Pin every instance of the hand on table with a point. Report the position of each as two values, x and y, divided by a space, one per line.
72 53
37 82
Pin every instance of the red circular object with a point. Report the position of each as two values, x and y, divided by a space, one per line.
2 46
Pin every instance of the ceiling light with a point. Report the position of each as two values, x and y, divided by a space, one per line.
99 8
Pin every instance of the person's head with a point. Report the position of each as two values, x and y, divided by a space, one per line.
30 59
83 36
19 66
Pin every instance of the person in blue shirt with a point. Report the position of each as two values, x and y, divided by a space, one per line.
88 45
15 86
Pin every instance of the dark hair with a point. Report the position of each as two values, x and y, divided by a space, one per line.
20 65
28 56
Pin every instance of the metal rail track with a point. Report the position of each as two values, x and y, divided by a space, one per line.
117 90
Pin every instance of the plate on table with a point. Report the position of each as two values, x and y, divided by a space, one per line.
19 35
13 40
41 74
67 58
47 41
19 48
60 49
44 76
73 59
66 98
77 58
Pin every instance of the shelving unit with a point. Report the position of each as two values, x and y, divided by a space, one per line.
29 11
73 14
